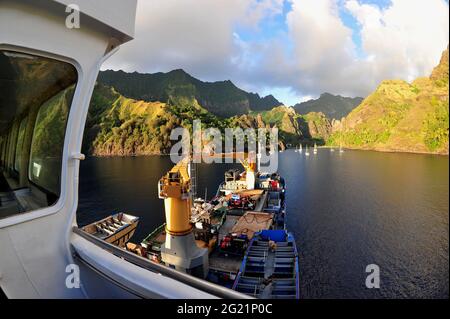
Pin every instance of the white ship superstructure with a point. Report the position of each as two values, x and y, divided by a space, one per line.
48 69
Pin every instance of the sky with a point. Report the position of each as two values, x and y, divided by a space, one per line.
292 49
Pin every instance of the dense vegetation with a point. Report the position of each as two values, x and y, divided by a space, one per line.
401 116
319 127
135 113
295 128
332 106
117 125
222 98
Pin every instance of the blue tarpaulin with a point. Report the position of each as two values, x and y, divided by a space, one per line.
275 235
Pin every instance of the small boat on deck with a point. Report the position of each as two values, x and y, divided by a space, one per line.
116 229
269 269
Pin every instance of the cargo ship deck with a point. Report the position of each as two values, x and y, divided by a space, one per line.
228 229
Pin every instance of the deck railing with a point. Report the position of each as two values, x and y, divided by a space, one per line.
203 285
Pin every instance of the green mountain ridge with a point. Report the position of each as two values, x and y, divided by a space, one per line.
120 126
221 98
133 114
295 128
401 116
333 106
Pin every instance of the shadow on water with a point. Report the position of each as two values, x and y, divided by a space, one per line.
346 210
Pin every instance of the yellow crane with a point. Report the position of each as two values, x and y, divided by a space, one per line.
174 188
180 250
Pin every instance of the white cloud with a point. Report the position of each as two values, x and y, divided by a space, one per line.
323 47
258 10
404 40
314 54
318 33
196 35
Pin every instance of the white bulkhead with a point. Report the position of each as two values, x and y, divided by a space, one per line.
37 246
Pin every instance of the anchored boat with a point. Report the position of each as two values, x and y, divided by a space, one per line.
116 229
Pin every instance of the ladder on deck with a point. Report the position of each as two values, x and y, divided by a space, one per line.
193 175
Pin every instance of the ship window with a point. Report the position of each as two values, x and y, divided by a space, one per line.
35 98
12 145
19 146
2 147
48 140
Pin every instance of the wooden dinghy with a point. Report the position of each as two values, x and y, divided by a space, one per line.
116 229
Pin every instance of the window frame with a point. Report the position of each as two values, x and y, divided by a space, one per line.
76 99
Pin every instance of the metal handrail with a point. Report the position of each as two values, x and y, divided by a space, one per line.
203 285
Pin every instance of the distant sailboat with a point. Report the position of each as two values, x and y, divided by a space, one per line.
307 151
315 149
341 150
300 150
